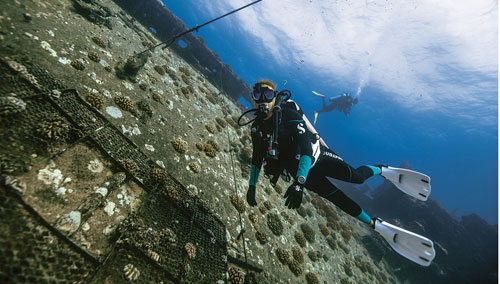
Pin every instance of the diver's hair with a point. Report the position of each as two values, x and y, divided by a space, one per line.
266 82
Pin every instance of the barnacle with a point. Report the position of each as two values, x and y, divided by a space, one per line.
180 145
236 276
99 42
124 103
94 56
308 232
96 100
238 203
158 175
78 64
11 105
283 255
190 250
131 273
129 165
274 223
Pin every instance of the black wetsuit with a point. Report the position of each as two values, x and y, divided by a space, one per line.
295 141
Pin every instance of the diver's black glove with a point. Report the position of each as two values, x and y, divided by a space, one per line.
251 196
293 195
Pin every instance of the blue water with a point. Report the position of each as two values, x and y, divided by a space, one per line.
454 141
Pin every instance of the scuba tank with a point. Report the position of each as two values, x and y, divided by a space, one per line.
272 168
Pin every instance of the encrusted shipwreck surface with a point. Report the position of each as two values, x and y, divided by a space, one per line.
115 169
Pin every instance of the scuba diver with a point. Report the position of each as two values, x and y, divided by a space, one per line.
342 103
285 142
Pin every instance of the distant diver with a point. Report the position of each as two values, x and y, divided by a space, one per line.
298 152
342 103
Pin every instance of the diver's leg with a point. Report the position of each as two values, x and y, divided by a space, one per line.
331 165
318 183
324 103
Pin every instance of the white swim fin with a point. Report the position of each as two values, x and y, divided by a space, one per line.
410 182
414 247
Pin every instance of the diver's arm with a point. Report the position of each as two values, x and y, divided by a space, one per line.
301 135
257 157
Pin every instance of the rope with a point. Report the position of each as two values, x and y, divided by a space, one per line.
242 232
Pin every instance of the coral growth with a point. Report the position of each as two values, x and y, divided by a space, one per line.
238 203
53 128
96 100
78 64
171 193
300 239
159 69
131 272
211 128
129 165
297 254
236 276
283 255
268 204
190 250
124 103
195 167
274 223
253 218
331 242
154 256
210 148
324 229
261 237
312 278
314 255
99 41
221 122
11 105
308 232
158 175
94 56
295 267
180 145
